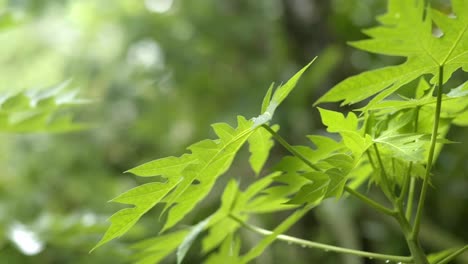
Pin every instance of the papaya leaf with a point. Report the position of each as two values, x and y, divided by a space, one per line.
273 198
39 111
155 249
16 103
144 198
259 197
405 31
190 238
278 97
228 253
260 144
267 98
347 127
190 177
408 147
213 158
314 191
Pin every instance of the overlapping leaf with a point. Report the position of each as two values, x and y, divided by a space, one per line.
347 127
190 177
39 111
260 143
406 32
143 197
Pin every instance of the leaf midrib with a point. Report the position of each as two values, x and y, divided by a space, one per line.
457 41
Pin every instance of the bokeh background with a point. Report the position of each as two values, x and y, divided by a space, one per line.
158 73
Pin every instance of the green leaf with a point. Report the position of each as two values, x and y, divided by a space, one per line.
207 161
273 198
337 182
220 225
408 147
19 102
144 198
314 191
39 111
347 127
278 97
445 256
169 167
267 98
219 232
213 158
153 250
190 238
260 144
283 91
197 171
228 252
404 33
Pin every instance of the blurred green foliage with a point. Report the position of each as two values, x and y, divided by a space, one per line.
158 72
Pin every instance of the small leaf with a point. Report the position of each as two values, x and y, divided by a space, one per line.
144 198
347 127
260 144
19 102
278 97
228 252
267 98
408 147
283 91
337 182
314 191
190 238
153 250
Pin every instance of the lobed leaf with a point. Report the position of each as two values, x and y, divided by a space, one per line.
155 249
144 198
260 144
404 32
347 127
190 177
278 97
39 111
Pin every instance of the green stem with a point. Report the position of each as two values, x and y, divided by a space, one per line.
311 244
410 200
406 184
422 197
453 255
413 244
411 180
363 198
379 207
286 145
386 184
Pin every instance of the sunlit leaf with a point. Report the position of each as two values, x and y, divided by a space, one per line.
403 32
144 198
260 143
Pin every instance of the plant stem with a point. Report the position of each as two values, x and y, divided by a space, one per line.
413 244
379 207
409 206
411 180
311 244
386 184
361 197
288 147
422 197
453 255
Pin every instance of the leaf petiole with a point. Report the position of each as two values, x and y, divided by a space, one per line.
326 247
